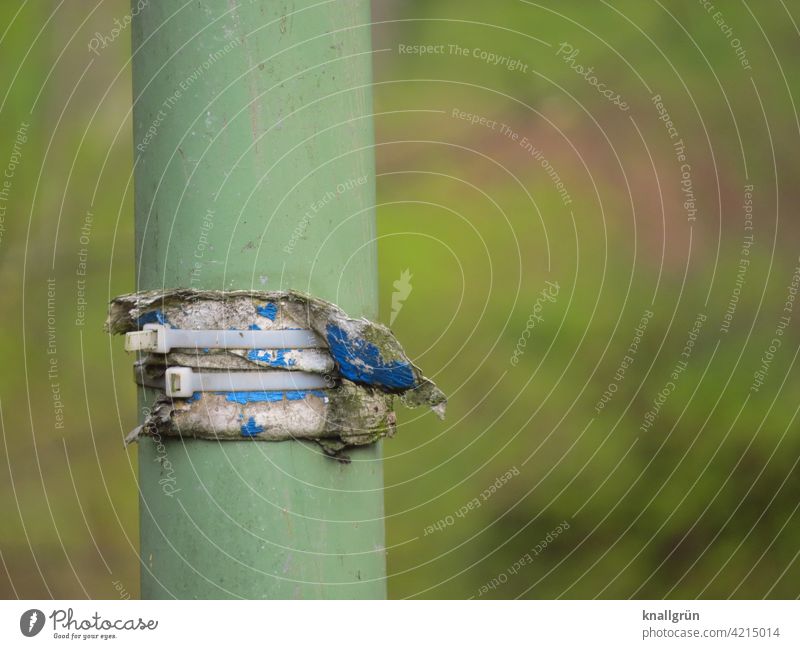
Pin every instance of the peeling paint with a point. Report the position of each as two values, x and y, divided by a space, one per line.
270 395
362 362
366 365
272 357
269 310
251 429
152 317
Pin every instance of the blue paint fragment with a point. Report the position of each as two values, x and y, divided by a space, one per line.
196 396
254 327
361 361
296 395
270 395
251 429
152 317
269 310
272 357
254 396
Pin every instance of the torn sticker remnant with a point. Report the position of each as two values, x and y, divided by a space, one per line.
364 365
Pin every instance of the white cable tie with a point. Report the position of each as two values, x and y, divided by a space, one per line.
183 382
161 339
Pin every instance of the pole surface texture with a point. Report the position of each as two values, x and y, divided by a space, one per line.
254 169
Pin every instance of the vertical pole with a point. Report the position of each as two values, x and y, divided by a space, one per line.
254 169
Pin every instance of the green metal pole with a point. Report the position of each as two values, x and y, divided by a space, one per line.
254 168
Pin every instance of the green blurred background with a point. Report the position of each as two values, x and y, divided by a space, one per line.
702 503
